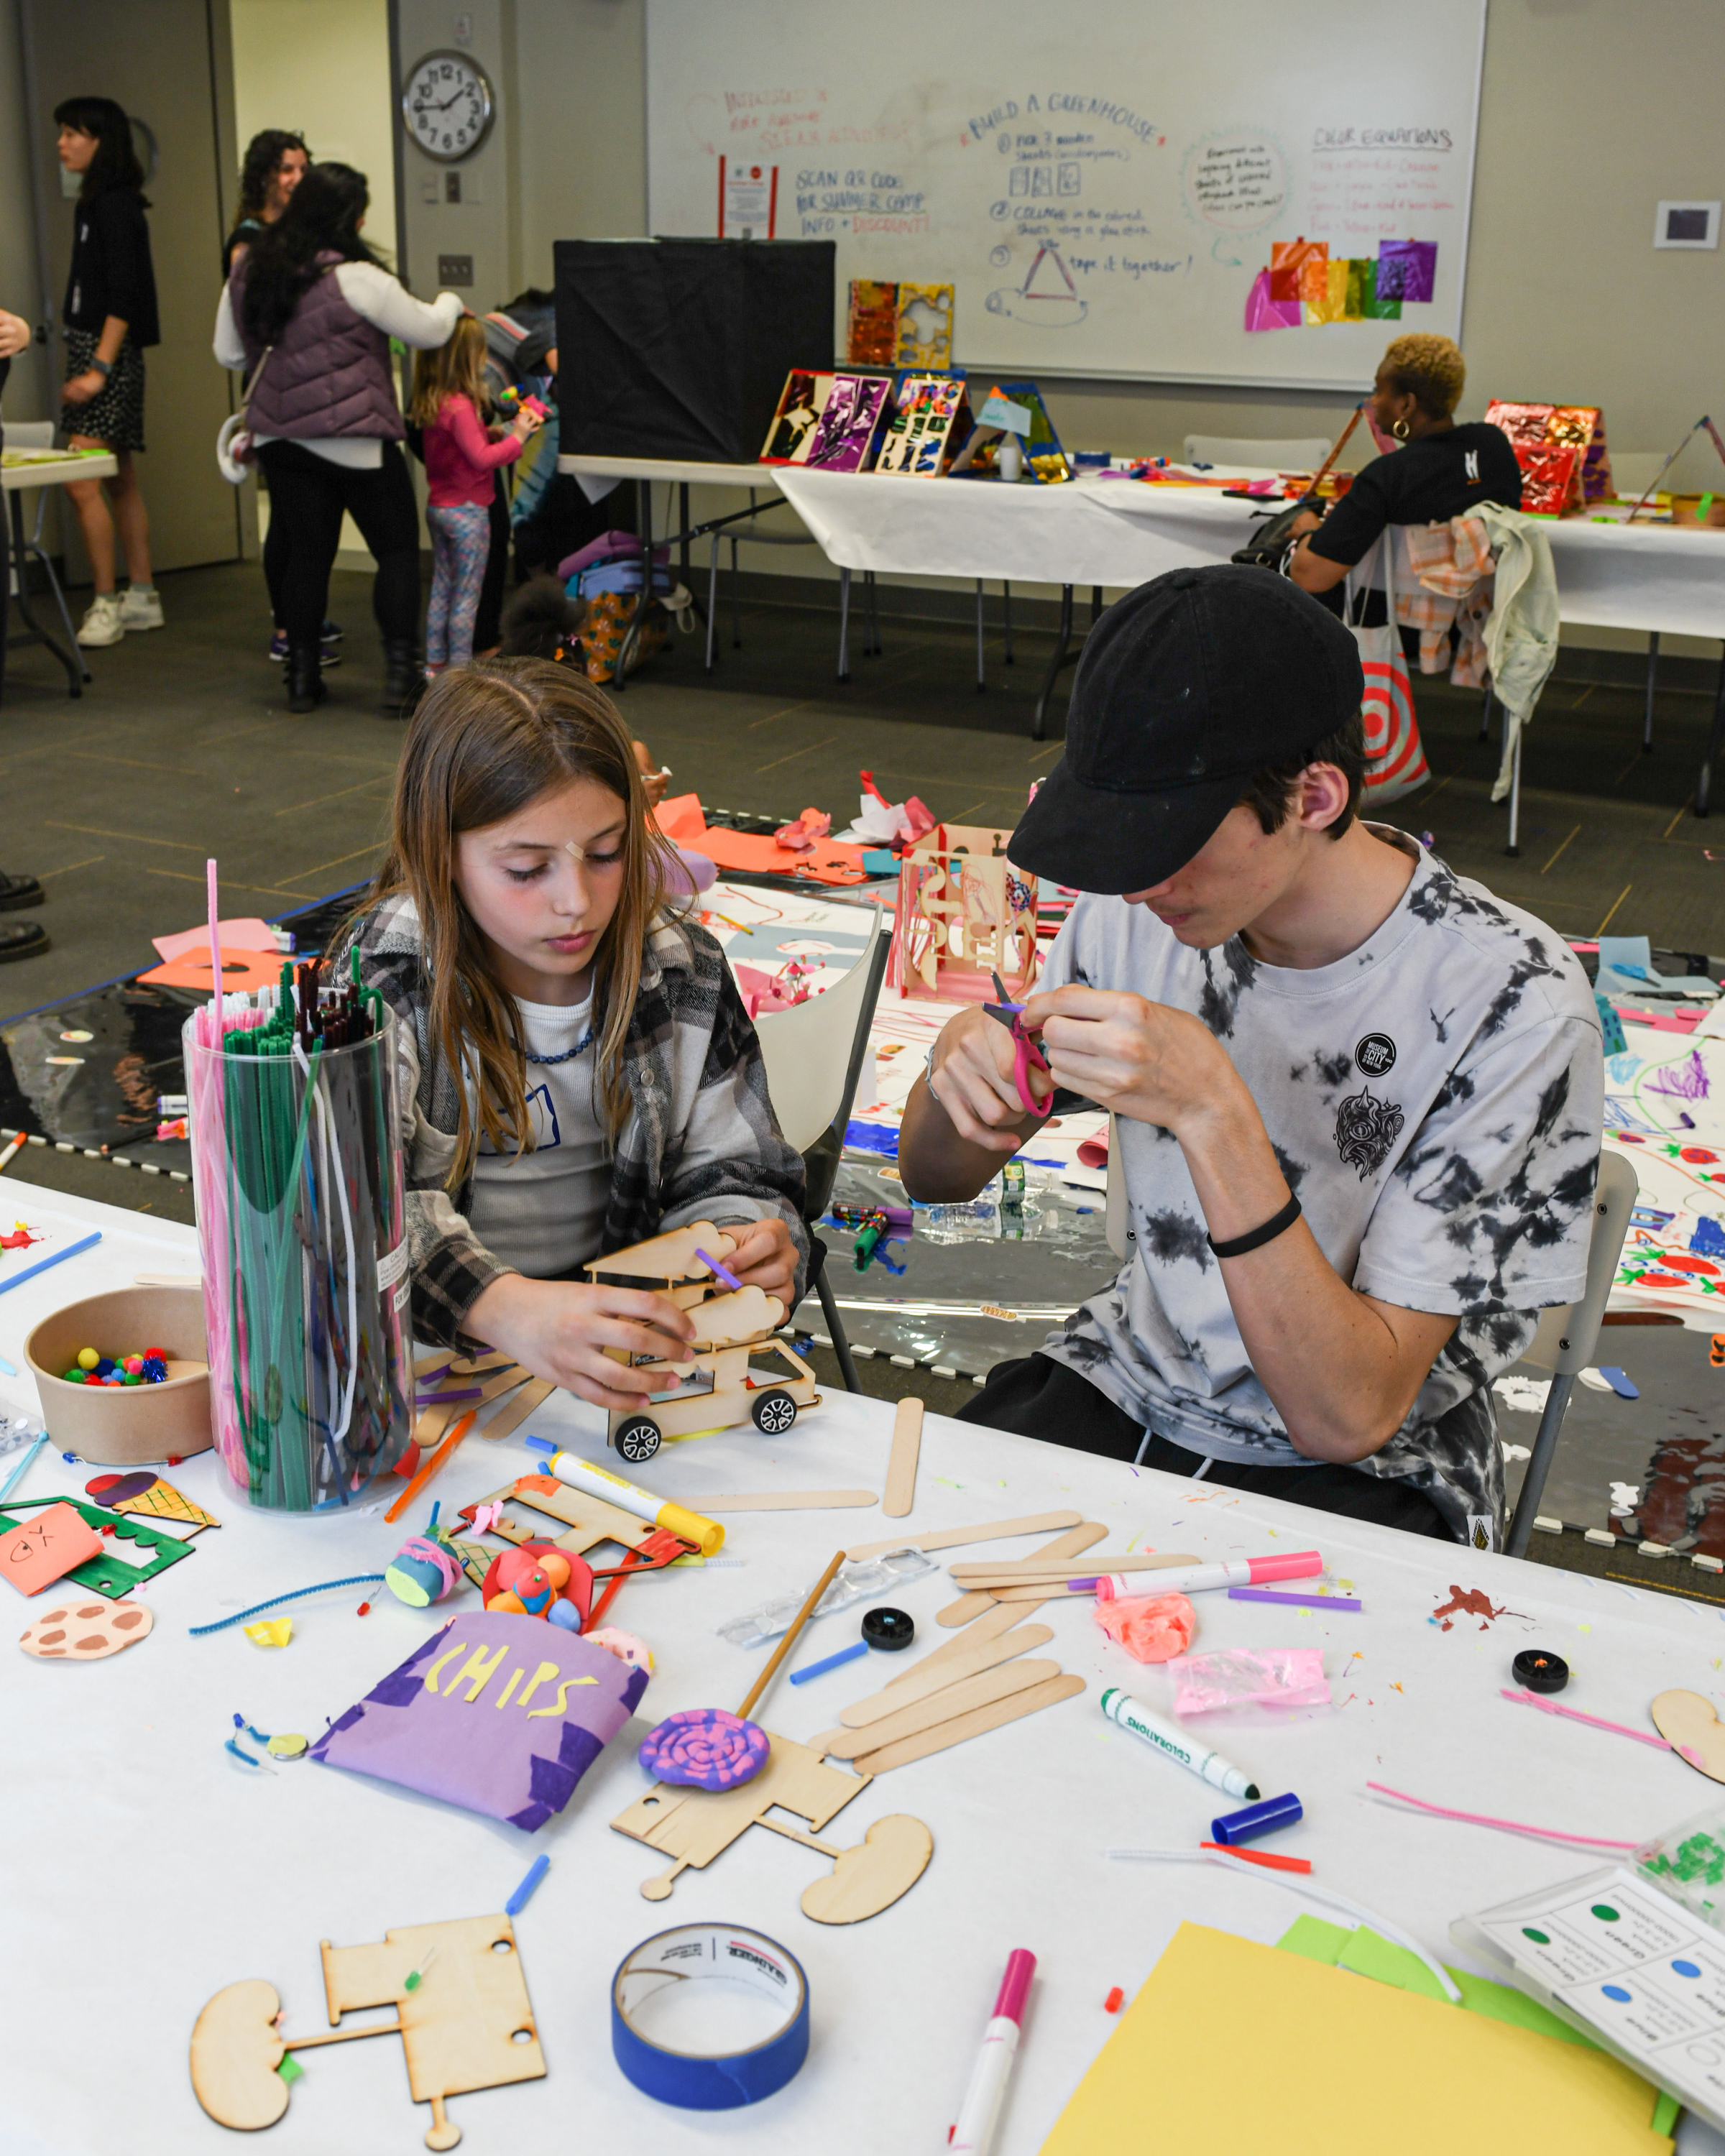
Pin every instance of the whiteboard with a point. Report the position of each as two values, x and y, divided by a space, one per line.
1101 181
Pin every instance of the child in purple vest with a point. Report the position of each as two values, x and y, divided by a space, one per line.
461 454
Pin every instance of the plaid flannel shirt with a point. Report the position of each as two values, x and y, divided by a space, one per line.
1454 566
700 1142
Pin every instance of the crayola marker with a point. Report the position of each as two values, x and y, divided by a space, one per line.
707 1535
1169 1738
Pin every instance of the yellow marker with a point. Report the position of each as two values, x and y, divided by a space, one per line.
707 1535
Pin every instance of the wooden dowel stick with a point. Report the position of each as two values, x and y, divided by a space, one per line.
789 1640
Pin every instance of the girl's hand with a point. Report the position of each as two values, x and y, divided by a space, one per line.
558 1330
524 425
764 1257
82 387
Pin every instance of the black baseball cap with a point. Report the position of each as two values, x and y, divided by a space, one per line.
1186 687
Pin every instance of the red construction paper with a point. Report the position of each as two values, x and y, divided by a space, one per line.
44 1549
827 861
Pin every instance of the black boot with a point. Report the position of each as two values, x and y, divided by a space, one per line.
403 679
19 890
305 677
21 939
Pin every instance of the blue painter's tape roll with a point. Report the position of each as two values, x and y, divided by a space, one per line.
710 2080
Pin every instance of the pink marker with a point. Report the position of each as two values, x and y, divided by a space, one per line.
980 2113
1192 1578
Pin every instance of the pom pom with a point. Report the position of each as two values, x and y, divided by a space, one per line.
705 1748
155 1370
625 1646
1153 1628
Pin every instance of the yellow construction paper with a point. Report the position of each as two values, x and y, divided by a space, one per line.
1234 2046
272 1632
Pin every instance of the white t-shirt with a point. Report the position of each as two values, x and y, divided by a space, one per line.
543 1212
1435 1099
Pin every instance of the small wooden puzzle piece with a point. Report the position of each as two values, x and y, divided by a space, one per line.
586 1520
693 1826
1689 1724
462 2013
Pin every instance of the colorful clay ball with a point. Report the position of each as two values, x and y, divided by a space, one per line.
704 1747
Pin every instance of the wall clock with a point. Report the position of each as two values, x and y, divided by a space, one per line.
446 106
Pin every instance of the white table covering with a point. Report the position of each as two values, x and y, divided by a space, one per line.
150 1870
19 477
672 471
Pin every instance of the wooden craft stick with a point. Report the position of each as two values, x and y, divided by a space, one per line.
467 1366
988 1624
431 1467
902 1467
936 1539
934 1676
530 1397
976 1723
781 1501
789 1640
981 1690
505 1381
432 1425
1081 1538
439 1359
1043 1574
1047 1591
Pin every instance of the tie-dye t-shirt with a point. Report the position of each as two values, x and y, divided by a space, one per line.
1435 1099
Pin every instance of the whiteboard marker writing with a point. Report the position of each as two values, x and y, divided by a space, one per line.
1168 1738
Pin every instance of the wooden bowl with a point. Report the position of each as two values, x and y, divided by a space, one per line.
125 1425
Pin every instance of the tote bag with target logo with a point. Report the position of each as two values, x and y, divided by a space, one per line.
1395 760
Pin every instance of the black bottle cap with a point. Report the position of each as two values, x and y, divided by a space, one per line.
888 1629
1538 1671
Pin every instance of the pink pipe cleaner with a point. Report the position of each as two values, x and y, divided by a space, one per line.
1593 1721
1509 1826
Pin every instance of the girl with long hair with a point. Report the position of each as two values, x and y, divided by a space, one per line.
110 318
578 1073
461 457
309 313
275 161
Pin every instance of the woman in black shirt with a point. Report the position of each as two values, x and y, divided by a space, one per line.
109 317
275 162
1440 471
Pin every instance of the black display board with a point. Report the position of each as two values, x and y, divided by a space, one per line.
680 347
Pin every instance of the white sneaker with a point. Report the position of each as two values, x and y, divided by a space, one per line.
141 608
104 624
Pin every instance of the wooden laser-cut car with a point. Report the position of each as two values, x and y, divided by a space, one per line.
736 1325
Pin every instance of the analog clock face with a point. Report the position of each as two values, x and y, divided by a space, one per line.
446 106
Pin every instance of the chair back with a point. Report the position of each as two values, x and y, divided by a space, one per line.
1567 1335
1116 1214
1304 454
814 1051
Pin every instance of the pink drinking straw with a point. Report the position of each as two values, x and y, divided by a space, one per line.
215 951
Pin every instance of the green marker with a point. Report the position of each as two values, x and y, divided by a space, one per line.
1168 1738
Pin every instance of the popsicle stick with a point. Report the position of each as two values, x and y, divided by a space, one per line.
437 1358
468 1366
936 1539
902 1467
988 1624
1027 1573
1048 1590
781 1501
1081 1538
167 1279
922 1683
981 1690
977 1723
785 1645
505 1381
432 1425
530 1397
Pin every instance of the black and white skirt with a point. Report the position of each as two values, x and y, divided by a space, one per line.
116 416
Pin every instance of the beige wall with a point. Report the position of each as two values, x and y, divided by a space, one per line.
321 67
28 390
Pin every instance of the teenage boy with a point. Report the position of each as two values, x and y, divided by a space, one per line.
1357 1098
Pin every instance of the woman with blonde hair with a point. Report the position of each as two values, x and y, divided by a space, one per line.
578 1070
1439 469
461 456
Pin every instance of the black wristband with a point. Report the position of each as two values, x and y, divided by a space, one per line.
1255 1239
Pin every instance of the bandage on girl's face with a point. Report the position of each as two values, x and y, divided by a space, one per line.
543 885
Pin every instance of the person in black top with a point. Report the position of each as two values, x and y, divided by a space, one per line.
21 939
110 318
1440 471
275 162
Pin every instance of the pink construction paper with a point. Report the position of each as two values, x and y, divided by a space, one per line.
252 935
1264 313
498 1713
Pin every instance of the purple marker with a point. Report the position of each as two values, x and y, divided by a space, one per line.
717 1270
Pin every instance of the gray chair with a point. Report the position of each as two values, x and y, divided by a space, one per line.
1568 1336
813 1053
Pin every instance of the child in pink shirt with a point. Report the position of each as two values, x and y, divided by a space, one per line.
460 457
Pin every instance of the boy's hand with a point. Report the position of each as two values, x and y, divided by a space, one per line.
973 1082
1131 1056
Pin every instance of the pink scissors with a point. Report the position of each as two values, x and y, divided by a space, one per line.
1026 1055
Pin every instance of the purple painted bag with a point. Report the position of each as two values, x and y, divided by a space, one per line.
497 1713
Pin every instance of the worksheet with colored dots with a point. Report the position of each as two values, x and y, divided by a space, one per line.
1630 1965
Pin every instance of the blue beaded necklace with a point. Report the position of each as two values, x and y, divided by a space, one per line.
568 1055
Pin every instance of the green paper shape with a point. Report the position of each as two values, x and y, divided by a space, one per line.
290 2069
1368 1954
1611 1026
1666 2107
1318 1941
104 1575
1502 2002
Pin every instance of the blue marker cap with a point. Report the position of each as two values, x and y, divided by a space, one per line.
1255 1819
539 1445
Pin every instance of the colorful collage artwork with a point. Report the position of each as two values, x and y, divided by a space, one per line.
1305 287
1665 1111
